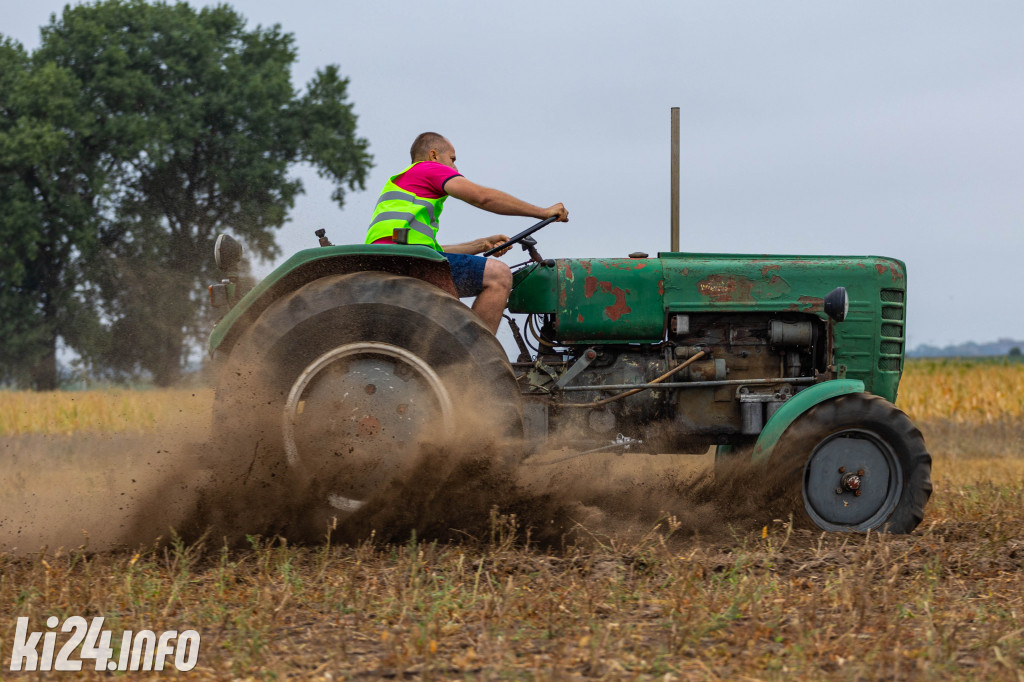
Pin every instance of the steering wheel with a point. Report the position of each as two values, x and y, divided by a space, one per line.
521 237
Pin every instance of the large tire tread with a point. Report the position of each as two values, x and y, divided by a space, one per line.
340 309
856 411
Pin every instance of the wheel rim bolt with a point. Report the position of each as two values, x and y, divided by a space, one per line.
842 470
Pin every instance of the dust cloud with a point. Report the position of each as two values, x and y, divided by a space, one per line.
125 491
100 491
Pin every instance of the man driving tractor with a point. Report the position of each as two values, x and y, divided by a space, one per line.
411 203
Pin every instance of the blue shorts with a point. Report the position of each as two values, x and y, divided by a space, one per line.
467 273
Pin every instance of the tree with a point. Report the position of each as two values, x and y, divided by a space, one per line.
197 124
1015 352
50 179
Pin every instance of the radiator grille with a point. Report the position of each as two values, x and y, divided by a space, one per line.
890 347
893 330
889 364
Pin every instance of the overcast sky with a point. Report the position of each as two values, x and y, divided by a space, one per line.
884 128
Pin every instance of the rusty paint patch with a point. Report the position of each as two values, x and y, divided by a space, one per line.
882 268
726 288
738 289
585 264
812 304
631 264
686 272
661 287
897 272
369 427
615 310
768 268
568 272
619 308
579 317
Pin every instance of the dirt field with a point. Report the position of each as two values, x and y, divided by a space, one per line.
604 567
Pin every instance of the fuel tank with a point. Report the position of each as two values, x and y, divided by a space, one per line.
616 300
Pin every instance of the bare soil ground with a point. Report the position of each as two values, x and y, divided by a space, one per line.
601 567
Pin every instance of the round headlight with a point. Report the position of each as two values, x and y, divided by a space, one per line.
837 304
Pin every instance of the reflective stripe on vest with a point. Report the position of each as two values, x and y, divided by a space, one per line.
398 208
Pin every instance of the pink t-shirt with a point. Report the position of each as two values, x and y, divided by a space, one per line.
426 179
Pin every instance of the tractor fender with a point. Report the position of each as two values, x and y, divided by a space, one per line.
312 264
796 406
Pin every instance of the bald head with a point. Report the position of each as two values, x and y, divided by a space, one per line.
425 142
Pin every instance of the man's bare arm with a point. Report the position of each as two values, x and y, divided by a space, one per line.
478 245
499 202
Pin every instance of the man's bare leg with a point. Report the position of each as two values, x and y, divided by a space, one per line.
490 302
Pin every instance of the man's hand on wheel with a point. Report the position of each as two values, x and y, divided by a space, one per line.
492 241
557 210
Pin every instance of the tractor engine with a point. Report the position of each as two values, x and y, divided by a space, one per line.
690 350
716 378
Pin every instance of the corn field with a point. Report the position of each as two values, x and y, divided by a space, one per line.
962 391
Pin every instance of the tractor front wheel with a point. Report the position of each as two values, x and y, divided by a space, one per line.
855 463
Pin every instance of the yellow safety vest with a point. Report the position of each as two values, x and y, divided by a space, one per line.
398 208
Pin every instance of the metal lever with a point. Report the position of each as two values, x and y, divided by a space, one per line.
589 355
524 352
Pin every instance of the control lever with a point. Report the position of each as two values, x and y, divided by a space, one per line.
530 245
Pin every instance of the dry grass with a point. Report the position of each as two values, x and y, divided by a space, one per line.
121 411
946 602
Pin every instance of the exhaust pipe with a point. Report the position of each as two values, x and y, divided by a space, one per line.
675 180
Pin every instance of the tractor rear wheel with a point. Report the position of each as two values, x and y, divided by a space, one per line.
855 463
339 386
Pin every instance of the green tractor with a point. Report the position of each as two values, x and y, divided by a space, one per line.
336 367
